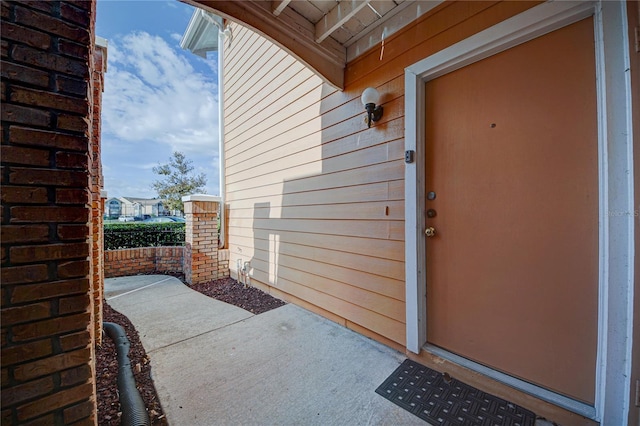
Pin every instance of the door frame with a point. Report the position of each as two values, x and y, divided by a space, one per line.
615 177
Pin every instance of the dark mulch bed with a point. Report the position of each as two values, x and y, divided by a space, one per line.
228 290
231 291
107 374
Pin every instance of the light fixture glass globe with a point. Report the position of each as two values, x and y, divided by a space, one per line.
370 96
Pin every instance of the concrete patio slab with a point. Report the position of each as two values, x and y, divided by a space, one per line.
287 366
116 288
166 311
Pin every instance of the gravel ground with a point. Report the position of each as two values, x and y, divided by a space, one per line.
227 290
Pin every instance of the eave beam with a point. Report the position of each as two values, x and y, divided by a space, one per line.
277 6
337 16
290 31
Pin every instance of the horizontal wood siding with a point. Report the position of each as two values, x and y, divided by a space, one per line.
316 199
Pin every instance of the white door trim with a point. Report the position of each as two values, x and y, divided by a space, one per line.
616 203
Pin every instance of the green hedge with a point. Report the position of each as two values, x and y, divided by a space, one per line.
131 235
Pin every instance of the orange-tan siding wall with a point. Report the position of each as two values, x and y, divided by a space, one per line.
315 198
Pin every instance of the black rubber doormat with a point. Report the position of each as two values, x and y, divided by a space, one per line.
446 401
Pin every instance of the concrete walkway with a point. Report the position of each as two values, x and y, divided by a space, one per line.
216 364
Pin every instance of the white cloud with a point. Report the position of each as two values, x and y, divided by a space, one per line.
146 166
153 93
128 188
154 103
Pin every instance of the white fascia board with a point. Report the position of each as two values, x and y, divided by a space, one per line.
201 35
101 41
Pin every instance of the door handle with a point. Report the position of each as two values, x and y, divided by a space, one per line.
430 231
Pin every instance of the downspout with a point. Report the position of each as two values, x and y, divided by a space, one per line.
222 240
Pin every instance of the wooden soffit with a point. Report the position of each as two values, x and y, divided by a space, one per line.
322 34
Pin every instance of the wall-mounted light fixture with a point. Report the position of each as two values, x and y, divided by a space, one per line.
370 98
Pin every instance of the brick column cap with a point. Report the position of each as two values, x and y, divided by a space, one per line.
103 194
101 41
202 197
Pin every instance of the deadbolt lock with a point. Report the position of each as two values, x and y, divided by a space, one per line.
430 231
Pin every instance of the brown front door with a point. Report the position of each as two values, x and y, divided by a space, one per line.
512 158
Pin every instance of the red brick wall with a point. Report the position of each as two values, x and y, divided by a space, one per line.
46 301
169 259
143 260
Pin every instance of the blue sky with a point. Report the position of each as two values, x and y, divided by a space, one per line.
157 97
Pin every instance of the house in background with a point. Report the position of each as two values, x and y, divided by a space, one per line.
150 206
135 207
485 223
117 206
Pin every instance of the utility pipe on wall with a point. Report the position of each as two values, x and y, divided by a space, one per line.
222 34
223 226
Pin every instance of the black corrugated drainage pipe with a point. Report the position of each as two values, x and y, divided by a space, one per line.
134 411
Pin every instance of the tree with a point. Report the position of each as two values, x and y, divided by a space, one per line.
177 180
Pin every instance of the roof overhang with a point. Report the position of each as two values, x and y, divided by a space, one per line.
322 34
201 35
288 30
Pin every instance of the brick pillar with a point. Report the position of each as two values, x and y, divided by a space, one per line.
96 231
47 310
201 238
